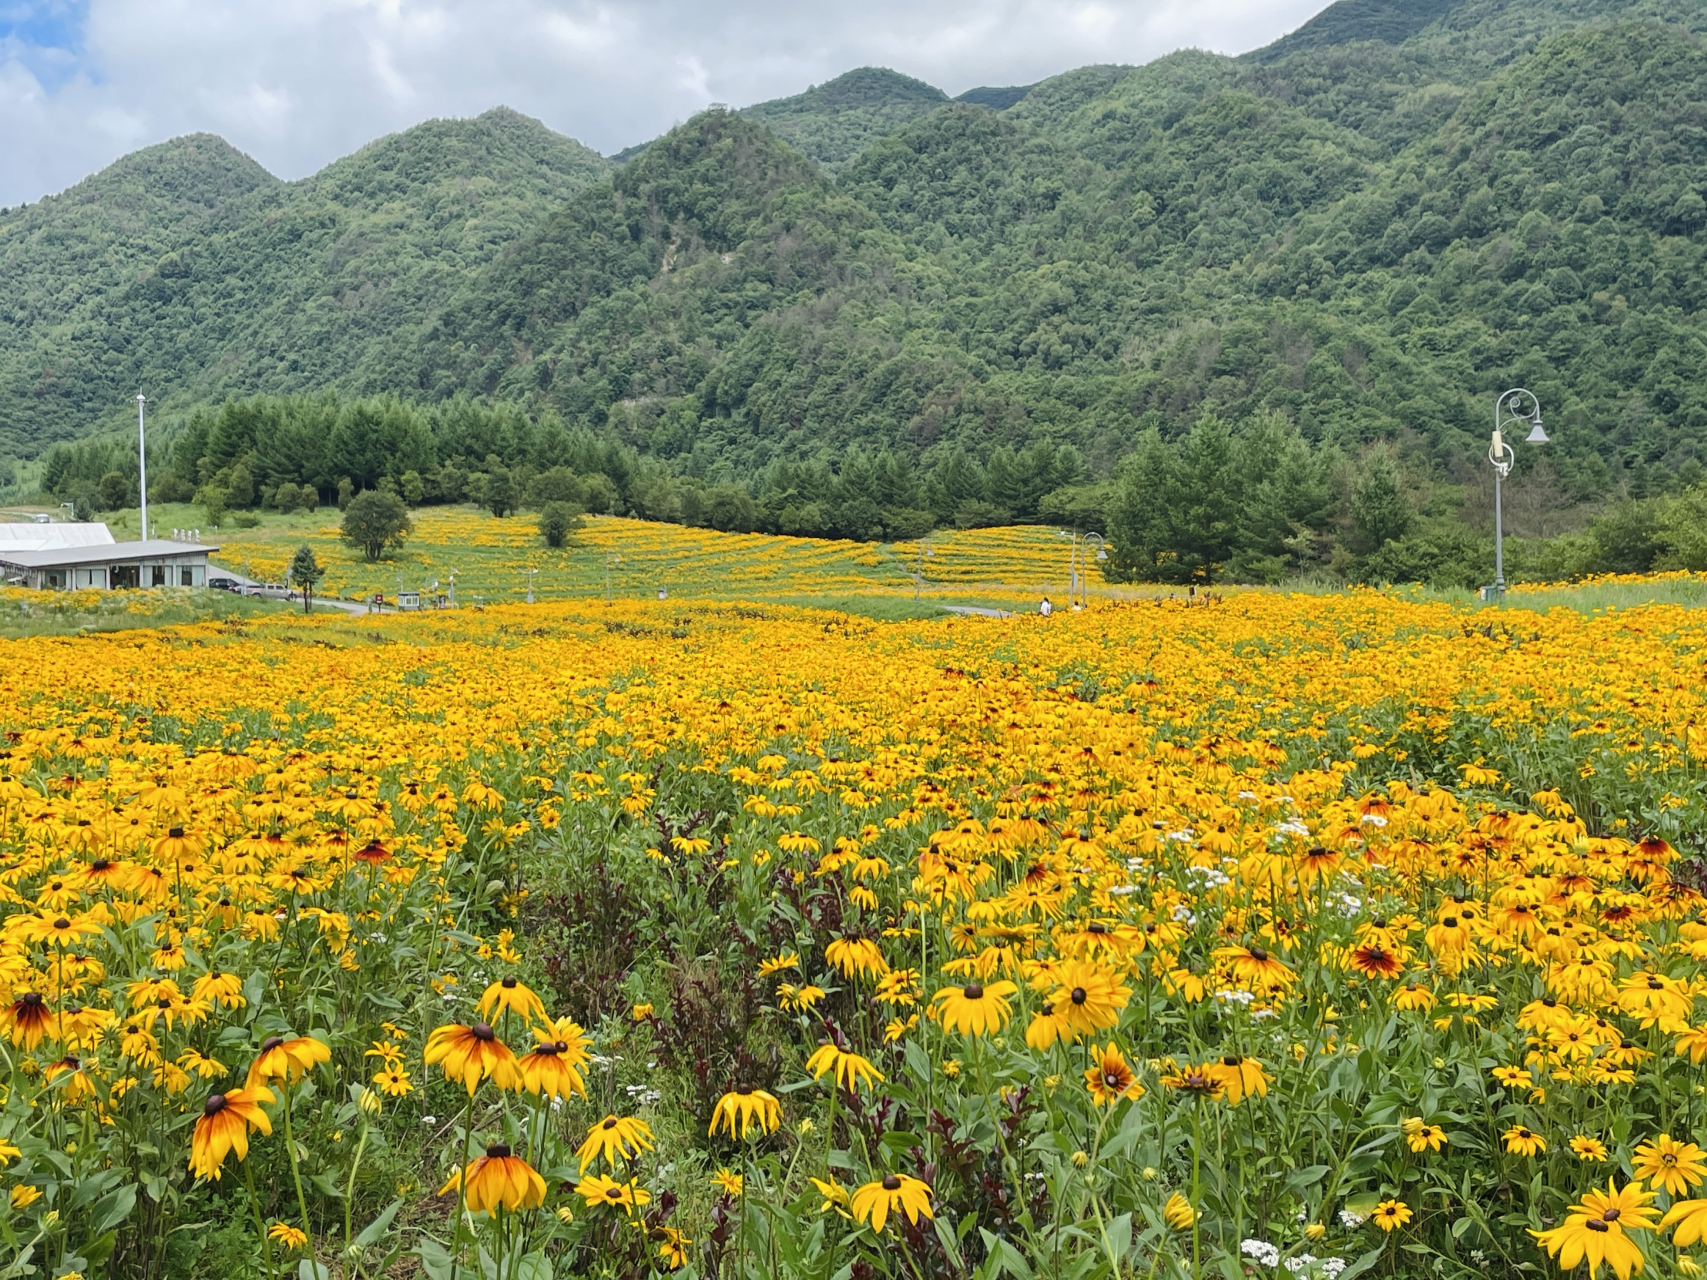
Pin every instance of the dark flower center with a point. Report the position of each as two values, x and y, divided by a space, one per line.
973 992
32 1000
62 923
100 864
1258 954
1595 1224
509 984
1611 1215
613 1193
610 1122
214 1105
1451 922
497 1151
271 1043
1230 1062
1078 994
891 1182
176 833
482 1031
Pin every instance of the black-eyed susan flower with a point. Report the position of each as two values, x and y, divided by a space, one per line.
224 1127
856 957
27 1019
894 1193
288 1236
613 1137
1253 967
752 1108
546 1070
973 1010
1420 1136
1086 997
1665 1163
472 1054
1110 1078
1240 1077
612 1194
498 1180
849 1070
1522 1141
1595 1231
1178 1213
509 994
1390 1215
1588 1150
730 1184
287 1059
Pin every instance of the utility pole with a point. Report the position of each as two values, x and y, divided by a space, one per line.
142 461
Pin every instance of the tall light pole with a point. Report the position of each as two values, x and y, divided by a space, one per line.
1102 554
925 549
142 461
1509 411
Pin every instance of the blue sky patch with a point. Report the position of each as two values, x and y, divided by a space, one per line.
46 36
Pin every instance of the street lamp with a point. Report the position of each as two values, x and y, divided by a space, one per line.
142 462
1102 554
1509 411
925 549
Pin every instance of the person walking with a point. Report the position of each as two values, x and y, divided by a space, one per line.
1046 608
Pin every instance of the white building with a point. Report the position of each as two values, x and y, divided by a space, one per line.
83 556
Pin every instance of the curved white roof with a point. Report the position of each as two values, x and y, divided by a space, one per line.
53 537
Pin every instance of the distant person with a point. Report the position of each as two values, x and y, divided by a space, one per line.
1046 608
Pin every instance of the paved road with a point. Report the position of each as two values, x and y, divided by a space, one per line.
976 611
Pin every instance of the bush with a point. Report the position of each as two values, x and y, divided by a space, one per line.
557 521
559 484
1450 559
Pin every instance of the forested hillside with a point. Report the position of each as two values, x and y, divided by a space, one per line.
1357 237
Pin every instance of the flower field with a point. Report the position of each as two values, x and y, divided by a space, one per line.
1270 936
491 559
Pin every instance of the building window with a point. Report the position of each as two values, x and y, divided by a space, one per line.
126 575
186 577
159 576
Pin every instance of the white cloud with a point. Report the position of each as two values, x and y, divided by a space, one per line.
297 83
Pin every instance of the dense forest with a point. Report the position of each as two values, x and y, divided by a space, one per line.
869 308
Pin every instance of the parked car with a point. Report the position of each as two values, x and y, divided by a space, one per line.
222 584
270 590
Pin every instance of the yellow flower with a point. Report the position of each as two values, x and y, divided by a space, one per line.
1423 1137
616 1195
1111 1079
498 1180
290 1237
641 1012
835 1197
24 1195
507 994
1668 1164
1240 1078
286 1059
1521 1141
615 1136
849 1069
893 1193
1589 1149
973 1010
1178 1213
471 1054
727 1182
753 1108
1390 1215
1595 1230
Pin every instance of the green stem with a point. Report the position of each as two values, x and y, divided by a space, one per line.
296 1174
260 1221
350 1188
461 1183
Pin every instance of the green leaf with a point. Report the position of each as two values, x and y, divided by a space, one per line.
371 1233
533 1266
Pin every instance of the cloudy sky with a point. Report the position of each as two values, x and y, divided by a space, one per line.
297 83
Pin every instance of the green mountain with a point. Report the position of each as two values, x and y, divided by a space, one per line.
187 268
1369 228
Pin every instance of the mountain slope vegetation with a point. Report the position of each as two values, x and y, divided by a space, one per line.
1363 232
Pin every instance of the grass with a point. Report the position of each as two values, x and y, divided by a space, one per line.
24 614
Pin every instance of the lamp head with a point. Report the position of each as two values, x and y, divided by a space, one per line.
1102 553
1536 434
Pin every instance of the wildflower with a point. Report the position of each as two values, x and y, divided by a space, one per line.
727 1182
672 1247
1178 1213
1669 1164
849 1069
224 1126
893 1193
1690 1219
24 1195
547 1070
498 1180
776 964
1254 967
856 957
393 1082
1390 1215
26 1019
1087 998
1413 996
471 1054
1240 1078
1595 1230
752 1107
1111 1079
1197 1082
973 1010
509 995
287 1060
835 1197
1376 961
1513 1077
1589 1149
288 1236
617 1195
1422 1137
615 1136
1523 1142
641 1012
